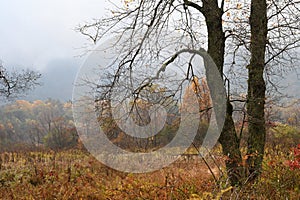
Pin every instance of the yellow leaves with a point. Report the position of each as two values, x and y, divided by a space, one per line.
238 6
224 191
68 105
38 102
209 195
127 2
195 197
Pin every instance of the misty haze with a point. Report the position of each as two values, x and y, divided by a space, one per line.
150 99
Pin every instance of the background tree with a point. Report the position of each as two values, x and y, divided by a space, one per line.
37 124
15 83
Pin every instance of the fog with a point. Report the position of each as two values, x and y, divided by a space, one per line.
41 35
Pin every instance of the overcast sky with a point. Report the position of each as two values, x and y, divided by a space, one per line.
35 32
39 34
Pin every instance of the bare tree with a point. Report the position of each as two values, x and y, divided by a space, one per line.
222 26
17 82
257 86
268 45
155 19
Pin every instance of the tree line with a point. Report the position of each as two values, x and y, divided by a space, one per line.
37 124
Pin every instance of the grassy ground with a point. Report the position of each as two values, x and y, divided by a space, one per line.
74 174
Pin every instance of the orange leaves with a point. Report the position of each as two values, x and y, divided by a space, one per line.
23 104
201 90
2 127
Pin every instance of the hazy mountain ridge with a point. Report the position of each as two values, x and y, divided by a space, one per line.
57 81
59 76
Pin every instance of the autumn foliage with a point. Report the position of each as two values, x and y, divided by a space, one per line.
295 163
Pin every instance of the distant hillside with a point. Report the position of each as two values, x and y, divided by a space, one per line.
293 85
57 81
59 76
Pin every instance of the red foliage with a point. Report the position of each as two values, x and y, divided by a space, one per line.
295 164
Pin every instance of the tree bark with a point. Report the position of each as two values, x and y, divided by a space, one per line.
256 88
216 48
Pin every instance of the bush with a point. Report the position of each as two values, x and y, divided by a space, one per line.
295 163
61 139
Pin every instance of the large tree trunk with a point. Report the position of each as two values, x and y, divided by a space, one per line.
256 87
216 47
